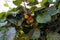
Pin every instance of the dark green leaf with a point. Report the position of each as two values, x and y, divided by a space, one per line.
43 18
34 34
54 17
53 36
13 21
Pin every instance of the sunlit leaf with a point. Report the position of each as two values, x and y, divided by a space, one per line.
12 10
17 2
1 15
21 31
3 23
32 2
6 5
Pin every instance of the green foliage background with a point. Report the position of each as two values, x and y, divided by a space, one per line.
45 18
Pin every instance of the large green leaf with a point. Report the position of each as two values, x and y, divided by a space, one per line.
2 19
53 36
17 2
10 34
54 17
52 11
3 23
7 33
3 31
34 33
13 21
43 18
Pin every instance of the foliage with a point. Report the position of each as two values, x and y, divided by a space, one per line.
30 23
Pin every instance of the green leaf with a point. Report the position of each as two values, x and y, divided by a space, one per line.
43 18
13 21
13 10
53 36
1 15
54 17
7 33
2 19
59 6
21 31
3 23
10 34
34 33
3 33
6 5
22 38
32 2
19 22
17 2
52 11
44 1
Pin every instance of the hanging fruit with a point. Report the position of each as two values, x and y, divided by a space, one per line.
30 20
26 16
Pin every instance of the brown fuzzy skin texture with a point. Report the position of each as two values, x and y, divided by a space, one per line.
30 20
26 16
